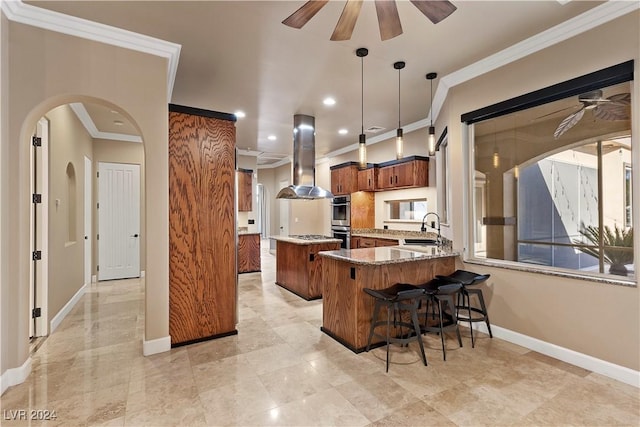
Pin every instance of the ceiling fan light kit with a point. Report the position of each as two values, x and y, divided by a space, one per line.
362 139
432 130
399 137
387 11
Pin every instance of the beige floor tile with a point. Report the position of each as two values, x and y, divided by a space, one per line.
282 370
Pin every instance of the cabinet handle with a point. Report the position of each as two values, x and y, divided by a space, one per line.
369 182
390 180
396 179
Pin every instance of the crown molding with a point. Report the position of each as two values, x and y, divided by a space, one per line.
17 11
587 21
91 128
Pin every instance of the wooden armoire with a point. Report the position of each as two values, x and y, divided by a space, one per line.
202 225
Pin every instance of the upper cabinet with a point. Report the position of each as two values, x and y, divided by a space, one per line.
244 189
344 178
404 173
367 178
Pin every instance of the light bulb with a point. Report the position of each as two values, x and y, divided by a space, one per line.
496 159
362 151
432 141
516 172
399 144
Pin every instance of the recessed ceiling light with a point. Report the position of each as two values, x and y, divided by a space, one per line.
118 122
329 101
343 131
272 138
240 114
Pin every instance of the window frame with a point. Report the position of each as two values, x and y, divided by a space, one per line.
620 73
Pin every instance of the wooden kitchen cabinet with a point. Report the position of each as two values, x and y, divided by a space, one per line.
299 268
202 224
245 187
249 252
371 242
344 178
409 172
367 178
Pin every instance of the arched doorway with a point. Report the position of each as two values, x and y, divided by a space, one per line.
74 138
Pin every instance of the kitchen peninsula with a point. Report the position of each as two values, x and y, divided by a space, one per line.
298 266
346 309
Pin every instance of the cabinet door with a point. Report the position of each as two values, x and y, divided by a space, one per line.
367 179
244 191
335 182
355 242
349 179
385 177
404 174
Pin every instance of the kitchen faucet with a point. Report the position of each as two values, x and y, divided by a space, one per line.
423 228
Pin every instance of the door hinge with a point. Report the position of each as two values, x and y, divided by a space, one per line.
97 174
36 198
36 141
97 237
36 255
36 312
97 268
98 205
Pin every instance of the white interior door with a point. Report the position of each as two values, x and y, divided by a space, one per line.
118 221
87 219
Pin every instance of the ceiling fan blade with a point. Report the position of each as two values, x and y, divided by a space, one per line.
554 112
436 10
388 19
347 22
307 11
621 98
568 123
612 112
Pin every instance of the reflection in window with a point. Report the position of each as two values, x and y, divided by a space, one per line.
407 210
547 184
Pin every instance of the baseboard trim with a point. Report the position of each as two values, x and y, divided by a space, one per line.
608 369
58 318
159 345
94 279
15 376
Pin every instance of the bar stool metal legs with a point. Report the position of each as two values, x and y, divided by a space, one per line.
398 298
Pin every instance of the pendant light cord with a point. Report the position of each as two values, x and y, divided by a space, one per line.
399 98
431 108
362 93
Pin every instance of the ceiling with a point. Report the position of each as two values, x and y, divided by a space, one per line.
237 55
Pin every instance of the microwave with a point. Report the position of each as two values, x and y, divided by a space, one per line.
341 211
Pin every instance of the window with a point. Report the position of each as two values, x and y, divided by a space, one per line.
547 183
627 195
444 185
407 210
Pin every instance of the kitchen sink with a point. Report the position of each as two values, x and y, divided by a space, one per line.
419 242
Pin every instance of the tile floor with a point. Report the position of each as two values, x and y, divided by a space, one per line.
281 370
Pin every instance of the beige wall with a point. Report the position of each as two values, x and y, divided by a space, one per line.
118 152
69 142
59 69
4 186
266 177
600 320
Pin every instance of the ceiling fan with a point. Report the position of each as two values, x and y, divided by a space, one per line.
615 107
388 18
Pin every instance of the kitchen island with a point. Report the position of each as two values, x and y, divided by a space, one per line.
298 266
346 309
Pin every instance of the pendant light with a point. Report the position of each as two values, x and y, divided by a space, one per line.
399 142
432 130
362 139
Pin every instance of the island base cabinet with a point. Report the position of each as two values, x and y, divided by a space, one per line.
298 268
347 310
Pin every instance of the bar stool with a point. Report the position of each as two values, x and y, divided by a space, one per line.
439 293
474 313
397 298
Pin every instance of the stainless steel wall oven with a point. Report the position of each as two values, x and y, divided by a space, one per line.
341 211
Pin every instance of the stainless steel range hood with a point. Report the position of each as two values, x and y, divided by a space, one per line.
304 163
